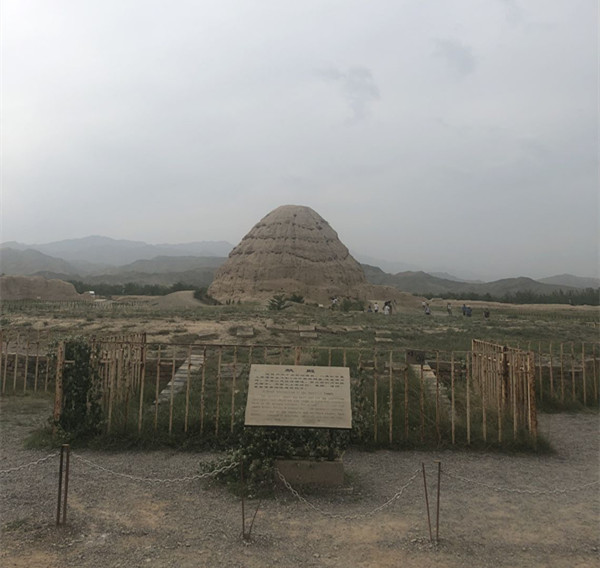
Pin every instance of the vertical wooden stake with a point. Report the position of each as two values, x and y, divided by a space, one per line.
5 367
58 391
583 373
406 402
551 373
468 401
437 396
243 484
233 381
540 373
594 373
452 415
427 503
573 371
37 365
375 388
562 374
217 409
203 386
391 408
422 403
68 452
142 385
15 369
157 388
437 515
60 480
187 389
172 394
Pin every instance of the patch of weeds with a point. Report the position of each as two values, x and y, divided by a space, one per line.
15 525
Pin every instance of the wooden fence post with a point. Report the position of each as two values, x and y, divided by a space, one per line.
583 373
452 415
58 390
562 374
391 408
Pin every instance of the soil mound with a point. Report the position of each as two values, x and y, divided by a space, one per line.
291 250
38 288
181 299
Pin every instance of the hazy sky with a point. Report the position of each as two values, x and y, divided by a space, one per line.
445 134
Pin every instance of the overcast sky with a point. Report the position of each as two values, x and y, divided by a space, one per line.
458 135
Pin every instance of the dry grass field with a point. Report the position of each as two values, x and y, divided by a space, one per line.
496 509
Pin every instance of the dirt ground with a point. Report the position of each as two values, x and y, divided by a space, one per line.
117 521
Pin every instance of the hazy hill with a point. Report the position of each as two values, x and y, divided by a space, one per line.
28 262
166 264
423 283
570 280
114 252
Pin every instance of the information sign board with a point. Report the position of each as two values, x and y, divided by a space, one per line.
297 395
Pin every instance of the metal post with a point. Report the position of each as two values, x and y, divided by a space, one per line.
427 502
243 499
68 450
437 514
60 476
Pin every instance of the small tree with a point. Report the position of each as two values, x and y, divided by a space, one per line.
277 303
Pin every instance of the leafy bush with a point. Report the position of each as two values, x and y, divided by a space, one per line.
81 415
296 298
277 303
202 295
352 305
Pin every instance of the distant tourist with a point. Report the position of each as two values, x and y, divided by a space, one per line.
370 309
376 307
449 308
464 310
427 310
468 311
386 309
486 313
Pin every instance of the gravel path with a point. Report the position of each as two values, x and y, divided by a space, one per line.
116 521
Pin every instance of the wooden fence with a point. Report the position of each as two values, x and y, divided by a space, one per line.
483 396
504 377
200 390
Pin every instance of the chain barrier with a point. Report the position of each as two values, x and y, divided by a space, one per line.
520 491
30 464
346 517
204 475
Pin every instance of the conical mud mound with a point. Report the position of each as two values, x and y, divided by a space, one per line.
291 250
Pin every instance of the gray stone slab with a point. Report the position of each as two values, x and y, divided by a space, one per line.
311 472
245 331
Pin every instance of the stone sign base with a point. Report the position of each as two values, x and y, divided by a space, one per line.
311 472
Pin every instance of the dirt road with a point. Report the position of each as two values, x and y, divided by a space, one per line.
489 514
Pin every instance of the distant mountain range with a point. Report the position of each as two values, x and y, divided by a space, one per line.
91 252
97 260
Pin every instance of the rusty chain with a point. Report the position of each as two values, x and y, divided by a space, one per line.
555 491
346 517
186 478
30 464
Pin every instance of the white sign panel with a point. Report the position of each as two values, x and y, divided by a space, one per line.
296 395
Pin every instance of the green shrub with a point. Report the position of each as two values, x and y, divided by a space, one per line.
277 303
